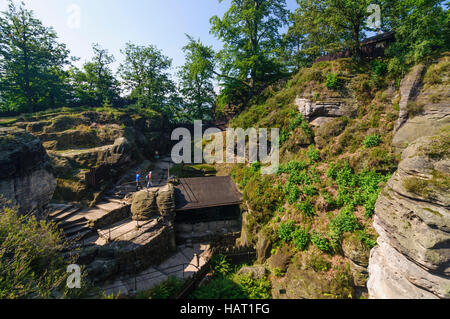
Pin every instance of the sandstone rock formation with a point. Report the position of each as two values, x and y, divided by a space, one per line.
358 255
91 150
424 105
166 201
409 88
151 203
144 205
412 218
321 111
26 177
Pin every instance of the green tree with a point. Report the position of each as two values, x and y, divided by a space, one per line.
196 77
309 30
95 84
332 25
31 62
421 28
249 61
145 75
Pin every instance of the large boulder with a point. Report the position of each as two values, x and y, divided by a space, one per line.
166 201
255 272
413 221
26 177
144 205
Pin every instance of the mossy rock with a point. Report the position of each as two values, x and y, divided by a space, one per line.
279 262
166 200
309 284
144 205
355 250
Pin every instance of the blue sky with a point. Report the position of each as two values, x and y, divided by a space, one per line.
112 23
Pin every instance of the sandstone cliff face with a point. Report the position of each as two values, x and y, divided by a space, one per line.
26 177
424 104
412 259
91 150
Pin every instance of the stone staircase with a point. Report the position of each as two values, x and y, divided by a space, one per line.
79 223
103 231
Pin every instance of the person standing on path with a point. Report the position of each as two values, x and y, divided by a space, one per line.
138 179
149 179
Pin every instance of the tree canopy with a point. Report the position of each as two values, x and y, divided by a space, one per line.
196 80
31 62
263 43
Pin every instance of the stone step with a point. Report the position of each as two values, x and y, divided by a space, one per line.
93 215
75 230
113 199
81 235
85 242
67 214
68 225
109 206
58 209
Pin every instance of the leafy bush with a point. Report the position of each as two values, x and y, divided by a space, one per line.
220 288
220 266
366 239
321 242
166 289
356 189
306 208
313 154
372 141
293 192
301 238
333 82
345 221
292 167
255 288
31 264
297 121
286 231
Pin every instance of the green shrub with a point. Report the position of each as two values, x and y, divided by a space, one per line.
286 231
372 141
255 288
367 239
310 190
322 243
31 263
313 154
220 288
333 82
293 193
220 266
301 239
345 221
166 289
306 208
